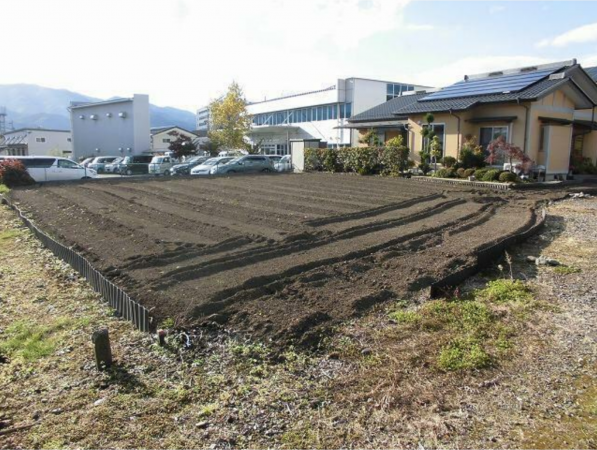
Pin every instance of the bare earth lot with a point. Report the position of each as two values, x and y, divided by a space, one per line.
278 256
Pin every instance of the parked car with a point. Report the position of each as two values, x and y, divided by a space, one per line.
113 166
185 167
284 164
161 165
136 164
99 164
49 168
86 161
210 166
246 164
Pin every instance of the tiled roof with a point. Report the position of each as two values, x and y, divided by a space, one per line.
592 71
385 111
462 103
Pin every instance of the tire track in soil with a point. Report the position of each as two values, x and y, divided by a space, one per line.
362 196
203 223
210 293
268 217
269 252
290 196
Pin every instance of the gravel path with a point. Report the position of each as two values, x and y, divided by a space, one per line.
548 399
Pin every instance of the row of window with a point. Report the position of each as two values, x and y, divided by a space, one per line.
394 90
43 139
312 114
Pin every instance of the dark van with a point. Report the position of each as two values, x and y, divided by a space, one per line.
136 164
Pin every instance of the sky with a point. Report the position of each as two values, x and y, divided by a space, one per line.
184 53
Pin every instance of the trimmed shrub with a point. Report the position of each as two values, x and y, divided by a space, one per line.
449 162
491 175
469 172
313 160
445 173
480 173
508 177
330 160
460 172
13 173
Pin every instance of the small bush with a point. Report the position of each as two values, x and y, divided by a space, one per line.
491 175
406 317
330 161
480 173
508 177
460 172
3 189
449 161
13 173
469 173
445 173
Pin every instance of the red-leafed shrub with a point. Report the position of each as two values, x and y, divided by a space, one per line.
13 173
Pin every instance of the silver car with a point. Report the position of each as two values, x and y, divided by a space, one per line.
284 164
210 166
99 163
246 164
113 166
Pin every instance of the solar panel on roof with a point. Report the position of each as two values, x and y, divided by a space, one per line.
490 85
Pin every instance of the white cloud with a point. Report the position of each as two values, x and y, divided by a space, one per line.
580 35
185 52
588 61
451 73
496 9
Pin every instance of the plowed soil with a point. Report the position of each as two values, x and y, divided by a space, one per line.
280 256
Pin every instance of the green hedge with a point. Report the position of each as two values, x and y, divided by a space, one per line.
362 160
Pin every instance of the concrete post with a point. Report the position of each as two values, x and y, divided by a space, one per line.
103 352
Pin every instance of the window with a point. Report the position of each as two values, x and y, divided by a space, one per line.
38 162
488 134
166 140
40 139
69 140
394 90
66 164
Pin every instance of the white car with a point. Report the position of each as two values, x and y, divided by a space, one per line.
50 168
210 166
161 165
99 164
113 166
284 164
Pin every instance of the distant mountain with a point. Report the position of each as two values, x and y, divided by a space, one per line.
29 105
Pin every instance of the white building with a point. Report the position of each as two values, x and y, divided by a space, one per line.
203 121
37 142
161 138
318 114
118 127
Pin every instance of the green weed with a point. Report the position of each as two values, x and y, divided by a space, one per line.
463 354
505 291
4 189
32 342
566 270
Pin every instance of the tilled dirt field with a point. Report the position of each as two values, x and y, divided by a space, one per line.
280 256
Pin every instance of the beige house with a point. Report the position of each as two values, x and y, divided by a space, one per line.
548 111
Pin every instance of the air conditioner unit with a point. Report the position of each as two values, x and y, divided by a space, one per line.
82 117
122 115
93 116
108 115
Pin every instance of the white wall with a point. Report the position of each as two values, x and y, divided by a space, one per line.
55 141
298 101
157 140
